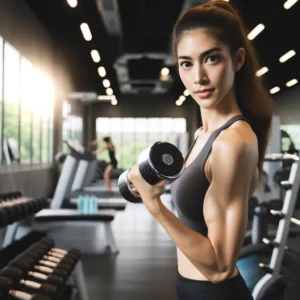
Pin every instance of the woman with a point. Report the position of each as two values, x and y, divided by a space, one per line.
111 165
217 64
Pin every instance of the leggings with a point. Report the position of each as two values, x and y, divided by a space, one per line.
231 289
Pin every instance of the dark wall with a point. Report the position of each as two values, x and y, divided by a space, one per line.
32 182
288 106
21 28
143 107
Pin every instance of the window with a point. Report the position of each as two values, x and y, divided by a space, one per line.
72 126
26 110
26 100
11 92
1 91
132 135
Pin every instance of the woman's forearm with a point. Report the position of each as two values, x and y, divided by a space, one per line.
194 245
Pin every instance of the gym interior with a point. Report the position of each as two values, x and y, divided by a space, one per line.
75 71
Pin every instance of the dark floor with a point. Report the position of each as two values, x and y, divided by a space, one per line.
145 267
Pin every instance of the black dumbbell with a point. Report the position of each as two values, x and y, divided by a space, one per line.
17 276
12 213
3 218
49 244
50 261
159 164
7 292
46 263
42 253
28 264
24 266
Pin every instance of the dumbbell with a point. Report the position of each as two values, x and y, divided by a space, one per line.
7 292
49 243
30 265
4 218
17 276
159 164
43 262
45 254
57 281
73 254
52 261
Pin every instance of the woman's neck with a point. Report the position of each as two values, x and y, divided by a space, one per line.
214 118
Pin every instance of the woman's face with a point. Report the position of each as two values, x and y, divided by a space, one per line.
205 67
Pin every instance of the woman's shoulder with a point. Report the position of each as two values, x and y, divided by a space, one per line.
238 138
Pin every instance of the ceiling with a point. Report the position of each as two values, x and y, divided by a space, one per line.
133 39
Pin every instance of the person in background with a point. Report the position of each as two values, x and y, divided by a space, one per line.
109 146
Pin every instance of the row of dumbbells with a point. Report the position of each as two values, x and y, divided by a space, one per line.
41 272
14 207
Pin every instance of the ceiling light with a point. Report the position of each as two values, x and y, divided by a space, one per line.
181 98
106 98
72 3
165 72
274 90
289 3
109 91
262 71
256 31
287 56
186 93
85 29
291 82
178 102
106 83
114 102
95 56
101 71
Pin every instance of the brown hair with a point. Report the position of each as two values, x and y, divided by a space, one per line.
227 26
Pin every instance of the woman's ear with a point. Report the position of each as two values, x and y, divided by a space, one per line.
239 59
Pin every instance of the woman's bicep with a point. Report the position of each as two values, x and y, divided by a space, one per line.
226 201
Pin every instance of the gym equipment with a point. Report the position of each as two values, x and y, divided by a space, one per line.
18 278
159 164
262 280
77 164
6 292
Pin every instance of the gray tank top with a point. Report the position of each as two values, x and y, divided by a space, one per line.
189 189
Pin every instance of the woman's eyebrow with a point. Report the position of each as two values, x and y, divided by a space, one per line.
202 54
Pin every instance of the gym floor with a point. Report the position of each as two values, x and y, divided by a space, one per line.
145 267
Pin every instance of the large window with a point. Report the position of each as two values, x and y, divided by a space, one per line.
26 109
72 126
132 135
27 106
1 91
11 92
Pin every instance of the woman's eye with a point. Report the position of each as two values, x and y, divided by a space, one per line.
212 59
185 64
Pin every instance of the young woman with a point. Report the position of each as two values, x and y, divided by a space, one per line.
112 164
217 64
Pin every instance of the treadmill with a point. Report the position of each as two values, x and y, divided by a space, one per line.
75 166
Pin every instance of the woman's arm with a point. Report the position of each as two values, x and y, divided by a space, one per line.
98 151
233 164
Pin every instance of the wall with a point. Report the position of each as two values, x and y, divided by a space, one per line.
288 105
21 28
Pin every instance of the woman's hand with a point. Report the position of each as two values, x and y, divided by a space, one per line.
150 194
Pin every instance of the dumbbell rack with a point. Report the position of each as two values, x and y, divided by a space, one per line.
15 208
11 216
279 243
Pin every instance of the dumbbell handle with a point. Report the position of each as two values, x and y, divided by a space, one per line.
37 275
20 295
